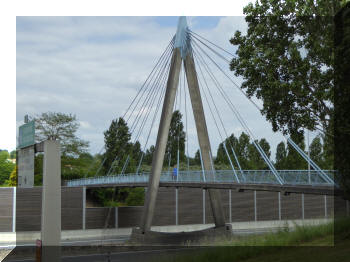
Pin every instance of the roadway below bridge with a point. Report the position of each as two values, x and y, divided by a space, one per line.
101 245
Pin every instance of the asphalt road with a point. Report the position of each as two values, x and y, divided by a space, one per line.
131 256
128 256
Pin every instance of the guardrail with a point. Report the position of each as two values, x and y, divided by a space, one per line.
290 177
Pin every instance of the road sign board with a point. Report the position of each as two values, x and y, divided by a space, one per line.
26 167
26 135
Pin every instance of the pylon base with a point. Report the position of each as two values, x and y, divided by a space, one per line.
180 238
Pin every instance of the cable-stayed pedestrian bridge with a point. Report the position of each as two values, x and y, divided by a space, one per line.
294 181
185 72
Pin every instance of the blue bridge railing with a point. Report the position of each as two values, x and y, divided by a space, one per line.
289 177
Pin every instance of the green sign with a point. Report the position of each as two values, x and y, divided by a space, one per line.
26 135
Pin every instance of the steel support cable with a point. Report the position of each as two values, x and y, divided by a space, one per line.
92 163
312 163
151 127
139 106
154 92
212 114
123 170
229 78
158 104
158 86
153 120
316 167
299 150
222 91
166 51
114 191
178 128
194 34
259 149
150 94
150 101
151 91
234 153
112 167
185 95
222 123
159 62
211 49
240 119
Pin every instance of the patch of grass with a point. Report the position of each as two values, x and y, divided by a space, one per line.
284 245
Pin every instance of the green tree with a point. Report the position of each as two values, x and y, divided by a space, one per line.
62 127
6 166
176 140
256 161
281 156
197 158
13 154
117 145
341 150
221 155
149 155
13 177
294 160
243 150
136 197
38 169
316 153
286 60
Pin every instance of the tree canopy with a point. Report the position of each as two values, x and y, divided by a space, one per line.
286 60
62 127
246 152
6 166
117 145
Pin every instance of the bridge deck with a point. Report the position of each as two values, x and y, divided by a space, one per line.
285 189
294 181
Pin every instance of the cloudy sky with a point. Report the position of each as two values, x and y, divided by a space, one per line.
94 66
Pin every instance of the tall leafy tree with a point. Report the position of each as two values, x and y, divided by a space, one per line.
197 158
13 154
6 166
243 150
117 145
341 150
62 127
281 156
149 155
221 155
12 181
255 159
294 160
316 153
176 140
286 59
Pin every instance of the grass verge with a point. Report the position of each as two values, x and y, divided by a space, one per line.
305 243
